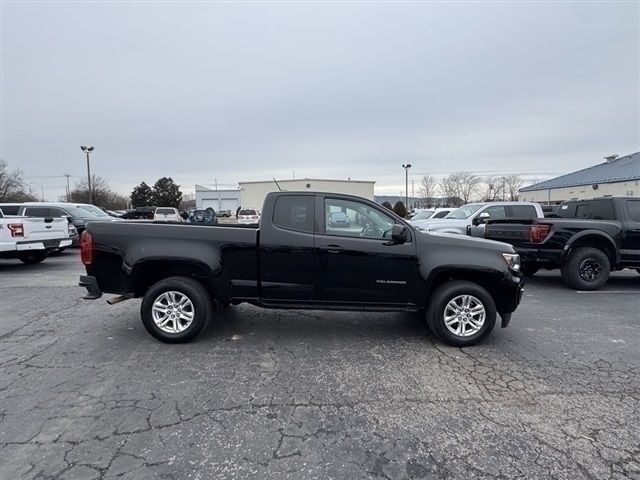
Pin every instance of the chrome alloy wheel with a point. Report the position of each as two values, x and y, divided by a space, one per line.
590 269
172 312
464 315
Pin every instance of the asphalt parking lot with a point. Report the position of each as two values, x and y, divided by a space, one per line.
86 393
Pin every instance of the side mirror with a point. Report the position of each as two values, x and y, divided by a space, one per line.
482 218
69 219
399 234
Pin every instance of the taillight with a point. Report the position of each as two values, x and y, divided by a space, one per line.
17 230
87 247
537 233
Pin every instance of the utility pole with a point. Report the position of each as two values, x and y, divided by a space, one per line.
88 150
413 190
68 191
406 183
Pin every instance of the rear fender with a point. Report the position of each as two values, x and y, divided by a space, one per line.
594 238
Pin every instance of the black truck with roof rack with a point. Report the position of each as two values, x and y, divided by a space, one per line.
587 239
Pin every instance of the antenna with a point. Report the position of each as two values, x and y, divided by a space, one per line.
276 182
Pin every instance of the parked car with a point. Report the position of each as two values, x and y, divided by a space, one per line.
76 213
224 213
167 214
249 216
203 217
293 261
418 220
140 213
31 239
587 240
477 214
339 219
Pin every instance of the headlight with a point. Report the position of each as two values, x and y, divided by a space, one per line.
513 260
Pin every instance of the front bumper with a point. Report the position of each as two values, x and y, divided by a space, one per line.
91 284
511 291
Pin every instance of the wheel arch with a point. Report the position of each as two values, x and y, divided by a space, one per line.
487 279
148 272
593 239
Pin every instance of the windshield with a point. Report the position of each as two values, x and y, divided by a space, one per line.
94 210
423 215
465 212
166 211
248 212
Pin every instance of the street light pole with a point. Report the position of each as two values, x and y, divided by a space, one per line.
88 150
406 184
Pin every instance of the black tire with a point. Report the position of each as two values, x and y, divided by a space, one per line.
31 258
529 270
586 268
200 299
438 306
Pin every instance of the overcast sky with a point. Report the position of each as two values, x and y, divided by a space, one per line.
250 91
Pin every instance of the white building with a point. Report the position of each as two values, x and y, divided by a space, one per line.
252 194
617 177
217 199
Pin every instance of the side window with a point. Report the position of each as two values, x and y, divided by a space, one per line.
10 209
294 212
523 211
633 207
348 218
441 214
496 212
57 212
595 211
39 212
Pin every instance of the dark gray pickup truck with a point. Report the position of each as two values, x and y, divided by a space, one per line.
587 239
298 258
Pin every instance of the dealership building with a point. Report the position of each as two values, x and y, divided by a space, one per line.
618 176
252 194
227 199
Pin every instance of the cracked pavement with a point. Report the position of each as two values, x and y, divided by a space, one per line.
87 394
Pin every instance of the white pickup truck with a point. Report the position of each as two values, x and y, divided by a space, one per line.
30 239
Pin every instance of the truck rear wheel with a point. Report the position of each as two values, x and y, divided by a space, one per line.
586 268
31 258
461 313
176 309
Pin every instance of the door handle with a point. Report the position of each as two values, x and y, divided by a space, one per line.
332 249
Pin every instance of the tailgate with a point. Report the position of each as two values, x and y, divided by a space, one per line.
41 229
515 232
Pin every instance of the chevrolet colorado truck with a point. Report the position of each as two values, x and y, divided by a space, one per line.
296 258
586 240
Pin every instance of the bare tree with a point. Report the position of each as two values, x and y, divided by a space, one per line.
492 187
467 184
102 194
512 183
448 188
12 186
428 188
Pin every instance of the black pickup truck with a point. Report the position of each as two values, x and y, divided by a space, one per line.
297 259
586 240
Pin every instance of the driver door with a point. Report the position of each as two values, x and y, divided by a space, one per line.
356 263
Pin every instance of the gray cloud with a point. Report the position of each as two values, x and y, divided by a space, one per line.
250 91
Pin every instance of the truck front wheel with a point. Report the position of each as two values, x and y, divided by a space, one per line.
586 268
176 309
461 313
